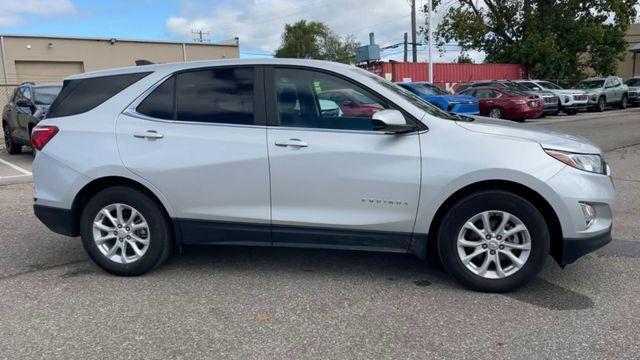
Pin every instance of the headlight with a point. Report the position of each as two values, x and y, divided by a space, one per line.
594 97
587 162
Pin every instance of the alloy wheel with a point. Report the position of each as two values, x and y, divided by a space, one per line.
495 113
121 233
494 244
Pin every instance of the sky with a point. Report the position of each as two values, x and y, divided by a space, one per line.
257 23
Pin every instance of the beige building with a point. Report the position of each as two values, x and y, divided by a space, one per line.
51 58
631 65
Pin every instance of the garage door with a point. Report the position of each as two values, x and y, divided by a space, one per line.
47 71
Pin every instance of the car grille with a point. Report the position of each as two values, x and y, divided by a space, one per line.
550 99
580 97
634 94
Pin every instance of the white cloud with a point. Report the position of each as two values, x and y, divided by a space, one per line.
259 24
14 12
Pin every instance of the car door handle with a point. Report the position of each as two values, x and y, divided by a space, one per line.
291 142
149 134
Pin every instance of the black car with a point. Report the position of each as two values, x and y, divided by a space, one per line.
27 106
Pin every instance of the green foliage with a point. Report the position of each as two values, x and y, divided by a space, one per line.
557 38
315 40
464 58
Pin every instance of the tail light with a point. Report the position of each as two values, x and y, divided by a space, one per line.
41 135
518 101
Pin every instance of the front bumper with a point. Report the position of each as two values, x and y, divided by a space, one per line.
61 221
575 248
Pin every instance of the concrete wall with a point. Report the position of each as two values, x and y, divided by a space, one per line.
50 59
625 69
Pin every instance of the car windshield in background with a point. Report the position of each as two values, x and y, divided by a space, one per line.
411 97
590 84
362 99
633 82
549 85
46 94
517 86
432 90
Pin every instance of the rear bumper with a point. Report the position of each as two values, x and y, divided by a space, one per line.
575 248
61 221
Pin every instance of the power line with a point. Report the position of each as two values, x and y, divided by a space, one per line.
200 33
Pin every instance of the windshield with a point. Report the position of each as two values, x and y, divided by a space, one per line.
409 96
590 84
45 95
517 86
362 99
549 85
429 89
633 82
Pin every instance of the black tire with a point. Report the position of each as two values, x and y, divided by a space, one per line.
477 203
555 113
623 102
159 230
602 104
10 144
570 112
496 113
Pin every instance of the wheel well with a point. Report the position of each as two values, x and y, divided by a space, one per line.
549 215
97 185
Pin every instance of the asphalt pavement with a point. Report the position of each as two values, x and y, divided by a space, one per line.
267 303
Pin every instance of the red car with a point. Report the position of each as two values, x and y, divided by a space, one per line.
352 103
506 104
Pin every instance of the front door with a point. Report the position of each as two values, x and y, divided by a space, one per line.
336 180
206 152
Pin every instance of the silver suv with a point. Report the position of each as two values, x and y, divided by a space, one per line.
139 161
605 91
569 101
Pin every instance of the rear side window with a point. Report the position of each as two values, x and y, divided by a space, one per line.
82 95
223 95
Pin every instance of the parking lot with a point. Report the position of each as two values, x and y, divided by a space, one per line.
244 302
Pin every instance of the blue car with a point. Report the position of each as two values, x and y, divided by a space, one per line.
459 104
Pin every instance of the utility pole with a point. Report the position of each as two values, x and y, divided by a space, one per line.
200 33
430 38
414 45
406 45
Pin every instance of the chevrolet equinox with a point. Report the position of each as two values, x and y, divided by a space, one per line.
141 160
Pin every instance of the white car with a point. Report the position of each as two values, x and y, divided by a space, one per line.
569 101
142 160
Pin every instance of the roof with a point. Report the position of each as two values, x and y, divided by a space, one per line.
177 66
117 39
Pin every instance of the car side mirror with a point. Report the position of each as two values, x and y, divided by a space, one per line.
392 122
23 103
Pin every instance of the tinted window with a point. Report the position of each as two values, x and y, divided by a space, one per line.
298 95
45 95
160 103
82 95
222 95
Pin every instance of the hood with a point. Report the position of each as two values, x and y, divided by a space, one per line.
547 138
458 98
570 92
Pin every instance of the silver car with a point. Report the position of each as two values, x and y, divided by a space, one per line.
633 85
569 101
139 161
605 91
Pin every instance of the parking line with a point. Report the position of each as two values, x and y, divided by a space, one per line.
15 167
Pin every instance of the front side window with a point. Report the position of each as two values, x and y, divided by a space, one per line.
222 95
26 92
305 98
45 95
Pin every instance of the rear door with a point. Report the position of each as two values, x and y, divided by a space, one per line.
336 181
205 150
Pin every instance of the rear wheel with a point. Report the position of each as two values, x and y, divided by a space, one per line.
10 144
496 113
493 241
125 232
623 102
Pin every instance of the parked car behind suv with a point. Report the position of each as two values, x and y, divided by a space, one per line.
27 106
569 101
548 99
605 91
633 85
240 152
501 103
459 104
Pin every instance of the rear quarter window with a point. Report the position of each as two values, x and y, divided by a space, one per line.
81 95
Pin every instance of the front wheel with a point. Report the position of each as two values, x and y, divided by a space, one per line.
602 103
496 113
623 102
125 232
493 241
12 147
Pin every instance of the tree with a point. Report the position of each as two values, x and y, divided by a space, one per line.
464 58
556 38
315 40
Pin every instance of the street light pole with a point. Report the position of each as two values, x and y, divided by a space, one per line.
429 36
